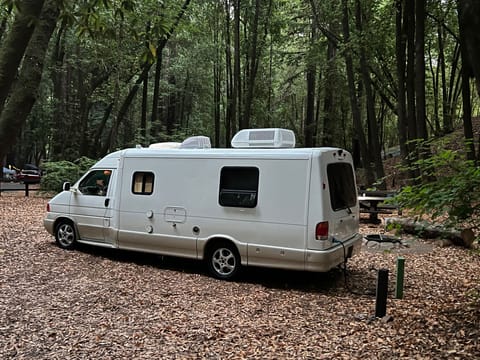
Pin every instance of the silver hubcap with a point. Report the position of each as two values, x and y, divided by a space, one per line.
223 261
66 236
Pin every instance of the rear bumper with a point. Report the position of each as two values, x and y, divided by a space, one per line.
325 260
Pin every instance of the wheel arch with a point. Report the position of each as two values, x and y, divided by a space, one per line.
62 219
217 240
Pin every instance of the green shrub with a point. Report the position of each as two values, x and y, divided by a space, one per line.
58 172
448 187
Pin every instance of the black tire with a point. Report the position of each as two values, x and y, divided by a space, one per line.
65 235
223 261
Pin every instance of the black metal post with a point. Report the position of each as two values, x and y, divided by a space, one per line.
26 189
382 291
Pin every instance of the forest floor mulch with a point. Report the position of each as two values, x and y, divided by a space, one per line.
104 304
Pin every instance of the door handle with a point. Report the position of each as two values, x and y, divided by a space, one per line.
107 202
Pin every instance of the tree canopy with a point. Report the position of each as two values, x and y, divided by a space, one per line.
83 78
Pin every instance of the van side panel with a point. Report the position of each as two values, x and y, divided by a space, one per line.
183 212
279 234
143 218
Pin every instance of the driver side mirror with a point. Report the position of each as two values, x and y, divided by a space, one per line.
66 186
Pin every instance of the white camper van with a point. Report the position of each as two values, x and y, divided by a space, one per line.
263 203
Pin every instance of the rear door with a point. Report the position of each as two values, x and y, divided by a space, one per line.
343 200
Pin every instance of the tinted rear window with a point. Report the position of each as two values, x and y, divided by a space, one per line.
341 183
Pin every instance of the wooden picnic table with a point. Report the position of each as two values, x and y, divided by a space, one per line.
371 202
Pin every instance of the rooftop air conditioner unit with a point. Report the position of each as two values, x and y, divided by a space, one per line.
264 138
196 142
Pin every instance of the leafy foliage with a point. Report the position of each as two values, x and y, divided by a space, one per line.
453 192
58 172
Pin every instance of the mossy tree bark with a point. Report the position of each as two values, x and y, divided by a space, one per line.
23 94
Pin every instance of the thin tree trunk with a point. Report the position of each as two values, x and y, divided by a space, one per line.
400 61
309 128
410 79
216 79
237 89
359 136
435 74
420 70
329 123
57 144
374 143
143 120
446 111
468 53
254 59
231 97
469 23
98 134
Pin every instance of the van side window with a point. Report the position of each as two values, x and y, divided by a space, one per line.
95 183
238 187
142 183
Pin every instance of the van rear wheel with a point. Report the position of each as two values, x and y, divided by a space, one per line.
65 235
224 261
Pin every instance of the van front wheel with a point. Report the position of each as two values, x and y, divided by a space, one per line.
65 235
224 261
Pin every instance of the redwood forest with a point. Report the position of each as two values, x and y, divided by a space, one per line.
380 78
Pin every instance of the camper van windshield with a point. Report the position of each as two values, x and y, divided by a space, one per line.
341 183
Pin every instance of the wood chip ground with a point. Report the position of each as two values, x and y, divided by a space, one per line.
101 304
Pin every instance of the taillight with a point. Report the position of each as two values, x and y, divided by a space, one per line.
48 207
321 231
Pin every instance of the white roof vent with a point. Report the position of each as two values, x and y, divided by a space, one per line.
196 142
264 138
165 145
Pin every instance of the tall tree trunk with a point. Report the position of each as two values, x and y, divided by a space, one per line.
467 54
420 70
171 108
400 61
410 79
254 58
143 120
13 49
57 144
230 94
98 134
374 141
359 135
435 75
237 89
216 78
469 25
446 110
329 123
269 119
309 128
23 94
